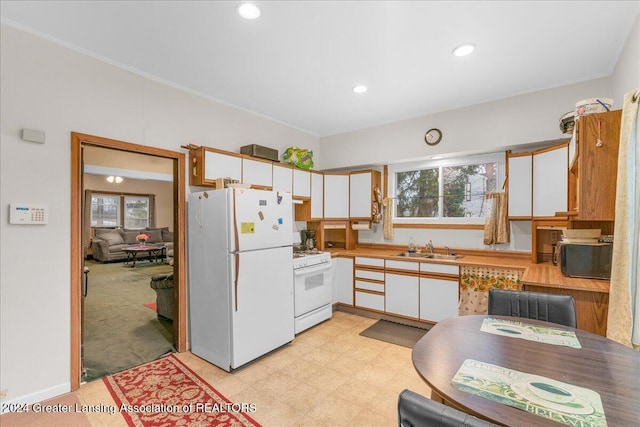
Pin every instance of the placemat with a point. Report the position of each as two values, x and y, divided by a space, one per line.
558 401
527 331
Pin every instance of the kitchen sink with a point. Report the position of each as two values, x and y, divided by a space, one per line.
429 256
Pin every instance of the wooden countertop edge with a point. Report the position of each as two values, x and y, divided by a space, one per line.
542 275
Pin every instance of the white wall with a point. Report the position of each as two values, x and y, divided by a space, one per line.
56 90
484 128
626 75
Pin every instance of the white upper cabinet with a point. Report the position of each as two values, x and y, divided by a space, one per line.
317 195
256 172
550 181
336 196
282 178
220 165
360 195
301 183
520 184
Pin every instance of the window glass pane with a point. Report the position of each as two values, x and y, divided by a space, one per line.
105 210
417 193
464 190
136 212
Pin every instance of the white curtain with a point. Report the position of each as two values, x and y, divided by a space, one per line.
623 323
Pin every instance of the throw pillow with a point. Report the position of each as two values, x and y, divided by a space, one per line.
155 236
167 236
112 238
130 237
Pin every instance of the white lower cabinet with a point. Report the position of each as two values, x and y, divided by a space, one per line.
368 300
438 299
401 295
343 280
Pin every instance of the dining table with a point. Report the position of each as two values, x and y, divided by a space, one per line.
453 347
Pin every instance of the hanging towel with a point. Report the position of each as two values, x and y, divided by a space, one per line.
387 218
496 227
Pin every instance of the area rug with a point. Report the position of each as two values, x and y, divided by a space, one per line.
395 333
166 392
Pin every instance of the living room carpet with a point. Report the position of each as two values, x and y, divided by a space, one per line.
395 333
166 392
120 332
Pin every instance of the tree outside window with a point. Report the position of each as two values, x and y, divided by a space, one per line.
446 191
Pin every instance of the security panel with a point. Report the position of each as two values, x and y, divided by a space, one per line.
23 213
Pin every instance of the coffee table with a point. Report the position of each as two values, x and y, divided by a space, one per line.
153 252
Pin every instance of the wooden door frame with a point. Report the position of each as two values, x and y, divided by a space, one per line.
77 253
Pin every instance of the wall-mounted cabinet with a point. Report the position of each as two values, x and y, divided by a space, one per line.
550 180
208 164
258 173
361 193
282 178
520 168
336 196
317 195
592 181
301 184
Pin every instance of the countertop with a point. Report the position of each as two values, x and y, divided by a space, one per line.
543 274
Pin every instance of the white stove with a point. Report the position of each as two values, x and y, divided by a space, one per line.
310 258
313 293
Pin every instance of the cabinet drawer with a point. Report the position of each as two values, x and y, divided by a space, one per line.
373 301
372 262
378 287
403 265
371 275
426 267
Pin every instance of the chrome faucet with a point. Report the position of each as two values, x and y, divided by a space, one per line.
447 249
429 247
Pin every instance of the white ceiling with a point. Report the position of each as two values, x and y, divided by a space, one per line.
298 62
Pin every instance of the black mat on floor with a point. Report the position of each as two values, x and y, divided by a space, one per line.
395 333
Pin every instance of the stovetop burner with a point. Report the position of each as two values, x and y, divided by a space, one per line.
302 253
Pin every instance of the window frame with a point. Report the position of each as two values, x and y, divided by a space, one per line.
498 158
122 197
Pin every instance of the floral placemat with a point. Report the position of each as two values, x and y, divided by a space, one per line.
527 331
558 401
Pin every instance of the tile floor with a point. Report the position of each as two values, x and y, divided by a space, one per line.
328 376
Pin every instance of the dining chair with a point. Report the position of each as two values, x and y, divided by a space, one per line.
415 410
533 305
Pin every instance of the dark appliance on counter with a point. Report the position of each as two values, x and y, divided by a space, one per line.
591 261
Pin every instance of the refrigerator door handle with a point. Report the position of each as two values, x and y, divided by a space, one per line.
236 281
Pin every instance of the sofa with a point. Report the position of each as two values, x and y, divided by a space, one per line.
163 285
108 243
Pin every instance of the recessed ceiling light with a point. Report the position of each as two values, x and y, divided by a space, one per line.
359 89
437 157
248 10
463 50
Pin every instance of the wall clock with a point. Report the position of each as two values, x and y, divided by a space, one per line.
433 136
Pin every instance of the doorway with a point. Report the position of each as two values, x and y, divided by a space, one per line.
78 249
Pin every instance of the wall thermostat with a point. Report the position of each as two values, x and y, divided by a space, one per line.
23 213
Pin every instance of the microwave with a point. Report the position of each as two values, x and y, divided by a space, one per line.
592 261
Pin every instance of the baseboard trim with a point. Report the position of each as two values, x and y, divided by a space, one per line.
39 396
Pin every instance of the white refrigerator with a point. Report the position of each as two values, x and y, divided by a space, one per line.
240 274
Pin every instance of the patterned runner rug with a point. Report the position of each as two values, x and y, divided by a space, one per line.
166 392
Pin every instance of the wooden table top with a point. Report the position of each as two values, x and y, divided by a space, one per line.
602 365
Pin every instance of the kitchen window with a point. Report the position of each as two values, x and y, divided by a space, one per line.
131 211
448 191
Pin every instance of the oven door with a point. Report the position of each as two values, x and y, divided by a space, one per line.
312 288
